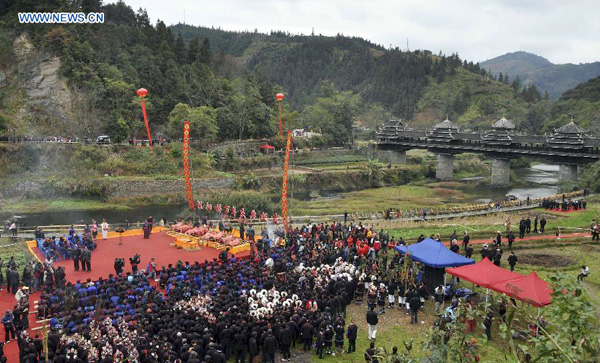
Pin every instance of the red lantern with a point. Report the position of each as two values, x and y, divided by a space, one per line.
142 92
279 97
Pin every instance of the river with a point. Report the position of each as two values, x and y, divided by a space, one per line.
542 180
136 214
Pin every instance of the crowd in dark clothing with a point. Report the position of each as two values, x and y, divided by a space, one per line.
564 204
290 293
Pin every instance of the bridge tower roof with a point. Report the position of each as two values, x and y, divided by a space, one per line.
569 136
443 132
571 128
446 124
503 123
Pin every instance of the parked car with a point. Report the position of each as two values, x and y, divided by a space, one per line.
103 139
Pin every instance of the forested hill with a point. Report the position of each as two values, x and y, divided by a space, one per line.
581 103
80 80
299 63
548 77
417 85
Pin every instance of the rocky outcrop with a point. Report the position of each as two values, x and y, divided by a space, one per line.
47 98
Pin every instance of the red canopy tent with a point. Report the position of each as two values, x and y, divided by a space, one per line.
483 273
530 289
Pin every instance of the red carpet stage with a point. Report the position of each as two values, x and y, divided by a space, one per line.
158 246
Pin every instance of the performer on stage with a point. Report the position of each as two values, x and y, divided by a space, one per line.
104 227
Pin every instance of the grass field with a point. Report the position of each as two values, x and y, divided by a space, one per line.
10 246
405 197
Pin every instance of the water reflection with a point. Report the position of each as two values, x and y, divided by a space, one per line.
542 181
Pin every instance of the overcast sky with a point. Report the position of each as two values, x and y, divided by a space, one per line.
562 31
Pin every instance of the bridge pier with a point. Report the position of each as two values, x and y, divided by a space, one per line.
392 156
500 173
567 172
445 167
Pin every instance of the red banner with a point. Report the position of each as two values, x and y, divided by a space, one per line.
186 164
286 163
146 122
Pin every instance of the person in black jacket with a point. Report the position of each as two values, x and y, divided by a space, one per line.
469 251
14 280
134 261
339 339
252 347
320 343
485 252
512 260
239 345
225 338
522 228
306 332
352 335
269 348
372 320
285 340
328 336
487 322
542 224
119 263
511 238
370 354
415 304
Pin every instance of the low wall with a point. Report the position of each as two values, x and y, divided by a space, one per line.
125 188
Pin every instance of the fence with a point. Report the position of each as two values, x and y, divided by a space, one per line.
378 219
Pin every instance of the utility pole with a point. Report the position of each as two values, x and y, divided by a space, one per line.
183 16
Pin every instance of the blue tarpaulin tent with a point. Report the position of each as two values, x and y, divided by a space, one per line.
436 257
434 254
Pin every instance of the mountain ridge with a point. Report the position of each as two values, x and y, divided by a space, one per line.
545 75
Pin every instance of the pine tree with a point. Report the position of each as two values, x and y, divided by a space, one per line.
516 84
194 51
180 50
205 55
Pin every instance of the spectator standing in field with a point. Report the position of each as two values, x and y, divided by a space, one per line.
372 320
352 334
466 240
512 260
542 224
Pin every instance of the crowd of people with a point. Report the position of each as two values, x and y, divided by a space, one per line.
564 204
291 292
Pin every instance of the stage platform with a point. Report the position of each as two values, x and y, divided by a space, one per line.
158 246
